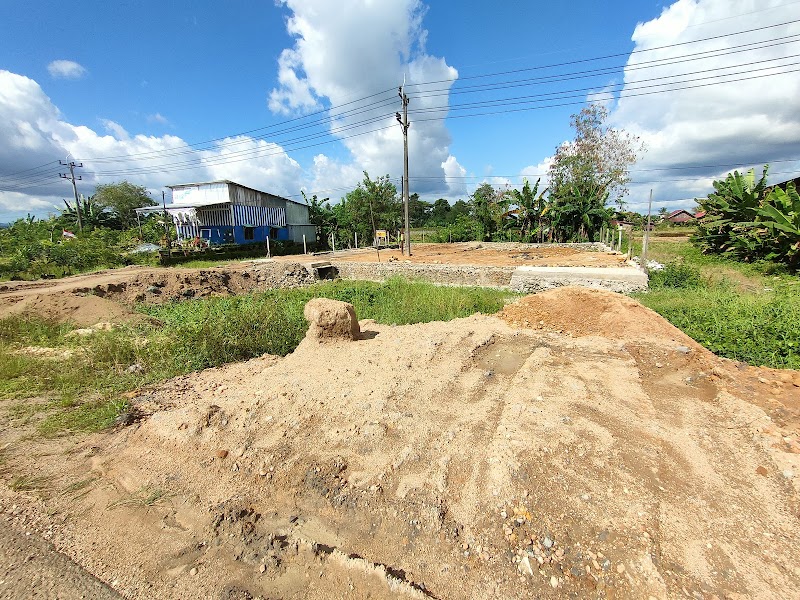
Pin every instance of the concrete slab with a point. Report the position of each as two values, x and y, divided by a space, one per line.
530 279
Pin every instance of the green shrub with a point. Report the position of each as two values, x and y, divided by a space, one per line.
676 275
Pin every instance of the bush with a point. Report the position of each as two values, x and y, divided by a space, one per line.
677 275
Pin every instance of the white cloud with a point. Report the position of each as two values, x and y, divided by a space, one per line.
33 137
115 129
66 69
158 118
535 172
455 177
744 123
352 49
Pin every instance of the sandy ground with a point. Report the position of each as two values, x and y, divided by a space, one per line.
576 445
494 255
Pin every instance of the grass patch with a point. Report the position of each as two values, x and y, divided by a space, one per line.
144 496
29 483
760 329
85 392
746 312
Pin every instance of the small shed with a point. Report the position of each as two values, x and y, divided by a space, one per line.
225 212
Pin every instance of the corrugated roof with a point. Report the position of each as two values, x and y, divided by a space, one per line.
228 181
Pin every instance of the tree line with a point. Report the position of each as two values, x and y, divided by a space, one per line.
588 178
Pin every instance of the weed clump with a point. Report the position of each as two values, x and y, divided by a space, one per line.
677 275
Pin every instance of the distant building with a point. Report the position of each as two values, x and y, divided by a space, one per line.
225 212
680 216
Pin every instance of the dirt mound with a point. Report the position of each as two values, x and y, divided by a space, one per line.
464 459
583 311
79 309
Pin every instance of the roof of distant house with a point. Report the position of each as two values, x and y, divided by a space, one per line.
228 181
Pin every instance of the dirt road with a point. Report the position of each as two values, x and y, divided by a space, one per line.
542 454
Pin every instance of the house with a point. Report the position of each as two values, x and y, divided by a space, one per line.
225 212
680 216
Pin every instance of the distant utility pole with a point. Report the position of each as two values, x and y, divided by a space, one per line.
71 164
405 125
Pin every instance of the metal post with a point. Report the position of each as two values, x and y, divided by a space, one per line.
269 253
166 224
355 235
305 251
646 239
619 242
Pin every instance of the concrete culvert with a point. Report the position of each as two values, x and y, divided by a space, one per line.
331 320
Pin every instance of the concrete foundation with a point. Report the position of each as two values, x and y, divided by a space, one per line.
519 279
616 279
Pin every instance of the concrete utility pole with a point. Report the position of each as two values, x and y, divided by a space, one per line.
405 125
71 164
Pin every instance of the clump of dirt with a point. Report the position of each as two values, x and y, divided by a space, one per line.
583 311
331 320
467 459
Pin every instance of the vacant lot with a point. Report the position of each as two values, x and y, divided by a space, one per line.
575 444
494 255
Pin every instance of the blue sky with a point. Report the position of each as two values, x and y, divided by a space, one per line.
129 87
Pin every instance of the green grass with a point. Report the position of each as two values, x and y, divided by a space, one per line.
740 311
86 391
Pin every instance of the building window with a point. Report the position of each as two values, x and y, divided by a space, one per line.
249 233
273 233
205 234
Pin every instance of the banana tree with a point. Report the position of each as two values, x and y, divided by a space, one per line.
781 216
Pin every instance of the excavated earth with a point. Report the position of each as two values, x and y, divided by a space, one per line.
575 445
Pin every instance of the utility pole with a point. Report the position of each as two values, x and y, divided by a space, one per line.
405 125
71 164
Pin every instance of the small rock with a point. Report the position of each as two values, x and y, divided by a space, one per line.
135 368
547 542
193 571
526 564
620 568
554 581
683 349
262 568
659 365
222 454
788 473
761 470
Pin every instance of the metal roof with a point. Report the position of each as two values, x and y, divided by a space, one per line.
228 181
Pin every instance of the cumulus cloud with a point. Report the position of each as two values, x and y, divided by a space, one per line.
34 136
352 49
66 69
747 123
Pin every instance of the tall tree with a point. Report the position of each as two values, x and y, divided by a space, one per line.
120 200
596 163
488 206
371 199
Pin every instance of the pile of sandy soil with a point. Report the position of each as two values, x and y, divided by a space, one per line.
584 311
109 297
467 459
79 309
